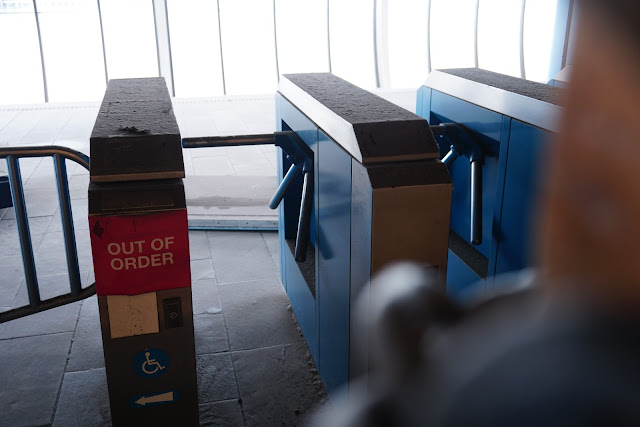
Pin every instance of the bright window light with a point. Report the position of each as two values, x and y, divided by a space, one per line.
130 38
452 33
539 29
195 47
248 46
302 36
407 26
499 36
351 32
21 70
72 50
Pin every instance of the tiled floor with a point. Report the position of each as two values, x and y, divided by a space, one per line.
253 366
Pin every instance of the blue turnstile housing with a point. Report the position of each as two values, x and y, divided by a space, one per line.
511 120
379 194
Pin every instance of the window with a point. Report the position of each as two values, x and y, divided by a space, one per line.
130 38
195 47
72 47
407 26
351 38
21 70
248 46
499 36
539 29
301 27
452 33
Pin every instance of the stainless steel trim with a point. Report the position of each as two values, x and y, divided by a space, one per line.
335 126
528 110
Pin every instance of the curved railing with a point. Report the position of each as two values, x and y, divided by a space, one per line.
59 154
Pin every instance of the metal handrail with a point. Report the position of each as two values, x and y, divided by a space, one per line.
59 154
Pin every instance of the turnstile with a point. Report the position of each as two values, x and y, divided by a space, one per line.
370 191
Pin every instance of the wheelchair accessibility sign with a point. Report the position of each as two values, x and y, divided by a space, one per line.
151 363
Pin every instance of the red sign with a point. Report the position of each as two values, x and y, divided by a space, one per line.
135 254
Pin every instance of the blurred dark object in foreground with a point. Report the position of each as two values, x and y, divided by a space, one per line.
517 358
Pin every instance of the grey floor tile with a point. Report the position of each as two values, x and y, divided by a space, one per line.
9 237
51 258
37 225
32 370
221 414
11 278
86 350
39 203
205 297
240 257
202 269
56 320
257 314
279 386
198 245
216 166
216 378
210 334
273 245
84 400
79 212
50 286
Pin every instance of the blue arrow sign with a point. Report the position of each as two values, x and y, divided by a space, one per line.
153 399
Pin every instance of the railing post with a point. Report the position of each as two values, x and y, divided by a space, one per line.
67 224
22 222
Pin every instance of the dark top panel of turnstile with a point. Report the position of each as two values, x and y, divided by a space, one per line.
120 198
404 174
136 135
382 129
535 90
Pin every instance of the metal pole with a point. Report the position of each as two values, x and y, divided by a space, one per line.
228 141
476 202
329 35
567 36
376 64
451 157
155 27
282 188
44 73
224 84
275 40
523 73
67 224
166 22
104 50
429 37
475 35
304 220
22 222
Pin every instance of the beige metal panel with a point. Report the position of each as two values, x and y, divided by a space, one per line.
411 223
131 315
